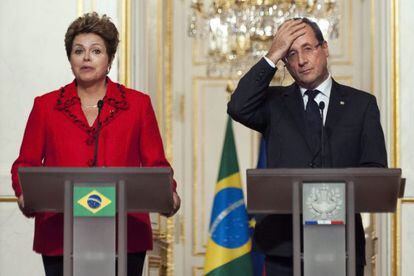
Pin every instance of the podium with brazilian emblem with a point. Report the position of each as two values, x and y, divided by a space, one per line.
95 202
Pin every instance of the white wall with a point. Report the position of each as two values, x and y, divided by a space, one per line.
406 31
406 23
32 62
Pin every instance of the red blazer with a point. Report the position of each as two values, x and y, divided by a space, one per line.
57 134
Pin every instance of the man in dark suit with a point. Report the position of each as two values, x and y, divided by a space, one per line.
290 120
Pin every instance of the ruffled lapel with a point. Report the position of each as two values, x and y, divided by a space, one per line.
114 102
69 103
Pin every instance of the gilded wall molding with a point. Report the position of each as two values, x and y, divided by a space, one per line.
124 73
197 270
168 58
79 7
372 46
344 79
8 199
164 233
395 82
336 59
160 63
395 146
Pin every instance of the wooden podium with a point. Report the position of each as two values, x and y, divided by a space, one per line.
283 191
91 242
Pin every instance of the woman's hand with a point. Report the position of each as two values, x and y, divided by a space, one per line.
176 205
26 212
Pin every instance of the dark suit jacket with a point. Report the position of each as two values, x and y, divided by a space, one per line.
354 138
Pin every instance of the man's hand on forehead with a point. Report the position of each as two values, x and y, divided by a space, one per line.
287 33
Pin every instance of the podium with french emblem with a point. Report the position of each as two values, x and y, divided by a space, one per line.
324 202
95 202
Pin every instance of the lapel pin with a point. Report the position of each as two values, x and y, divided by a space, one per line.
342 103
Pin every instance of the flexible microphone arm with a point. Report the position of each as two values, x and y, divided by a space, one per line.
322 107
98 129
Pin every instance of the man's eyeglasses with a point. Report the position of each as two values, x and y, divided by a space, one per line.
307 51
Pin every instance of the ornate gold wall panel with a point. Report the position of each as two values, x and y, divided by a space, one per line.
125 44
162 259
168 57
197 271
373 48
344 47
8 199
395 146
80 7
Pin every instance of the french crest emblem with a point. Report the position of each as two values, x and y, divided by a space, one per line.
324 202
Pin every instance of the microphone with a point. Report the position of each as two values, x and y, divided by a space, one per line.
322 107
100 105
98 129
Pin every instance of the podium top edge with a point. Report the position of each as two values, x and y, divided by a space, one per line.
82 170
325 171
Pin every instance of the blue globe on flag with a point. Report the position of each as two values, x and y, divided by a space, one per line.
229 219
94 201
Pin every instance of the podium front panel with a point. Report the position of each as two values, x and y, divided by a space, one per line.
94 229
94 246
324 220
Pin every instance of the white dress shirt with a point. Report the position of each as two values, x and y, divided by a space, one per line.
324 89
325 92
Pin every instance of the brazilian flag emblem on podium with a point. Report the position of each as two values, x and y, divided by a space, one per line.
94 201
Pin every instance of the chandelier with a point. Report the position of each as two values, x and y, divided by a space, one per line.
234 34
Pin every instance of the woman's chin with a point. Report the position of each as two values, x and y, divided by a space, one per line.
89 79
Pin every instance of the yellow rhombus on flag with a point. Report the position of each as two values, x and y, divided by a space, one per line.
229 244
84 201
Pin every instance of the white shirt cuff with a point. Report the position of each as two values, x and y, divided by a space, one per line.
270 62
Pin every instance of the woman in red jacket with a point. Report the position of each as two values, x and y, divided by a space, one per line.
61 131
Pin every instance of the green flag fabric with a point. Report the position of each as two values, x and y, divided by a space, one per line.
229 244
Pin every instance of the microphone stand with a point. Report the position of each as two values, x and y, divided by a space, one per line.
98 129
322 107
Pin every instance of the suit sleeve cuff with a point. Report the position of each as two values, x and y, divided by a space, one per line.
270 62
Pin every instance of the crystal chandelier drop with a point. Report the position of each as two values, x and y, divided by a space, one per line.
236 33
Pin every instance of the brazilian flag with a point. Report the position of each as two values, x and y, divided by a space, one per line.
94 201
229 244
